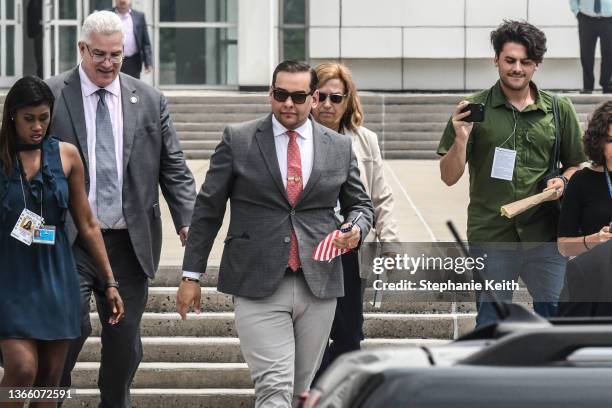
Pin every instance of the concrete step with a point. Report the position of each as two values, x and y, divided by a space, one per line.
421 126
376 325
198 154
171 397
217 349
235 117
190 145
408 145
225 118
163 300
411 136
231 98
367 98
177 349
212 108
410 155
191 125
199 135
170 375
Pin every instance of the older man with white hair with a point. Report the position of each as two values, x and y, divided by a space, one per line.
129 147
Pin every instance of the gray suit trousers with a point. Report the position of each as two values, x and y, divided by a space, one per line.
282 338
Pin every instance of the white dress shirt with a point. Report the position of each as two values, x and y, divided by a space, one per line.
130 47
90 105
305 142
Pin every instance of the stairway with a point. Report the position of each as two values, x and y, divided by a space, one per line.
409 126
197 363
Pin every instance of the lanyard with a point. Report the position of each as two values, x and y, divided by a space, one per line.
607 172
21 170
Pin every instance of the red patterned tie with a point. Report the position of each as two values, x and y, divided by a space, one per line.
294 189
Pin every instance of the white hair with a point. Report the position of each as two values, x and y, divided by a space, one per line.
101 22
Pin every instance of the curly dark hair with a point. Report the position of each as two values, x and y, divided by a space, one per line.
520 32
596 134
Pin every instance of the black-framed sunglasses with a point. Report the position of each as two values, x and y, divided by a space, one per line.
333 97
280 95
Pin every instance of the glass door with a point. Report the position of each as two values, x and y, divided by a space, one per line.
11 43
62 21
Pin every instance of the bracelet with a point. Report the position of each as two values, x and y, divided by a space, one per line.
584 242
113 284
565 181
188 279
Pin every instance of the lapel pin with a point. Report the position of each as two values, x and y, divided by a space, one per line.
134 99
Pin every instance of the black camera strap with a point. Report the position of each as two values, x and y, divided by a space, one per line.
554 165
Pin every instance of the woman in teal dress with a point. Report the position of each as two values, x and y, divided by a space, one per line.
39 287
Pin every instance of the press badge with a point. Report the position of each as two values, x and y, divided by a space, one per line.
503 164
25 226
44 235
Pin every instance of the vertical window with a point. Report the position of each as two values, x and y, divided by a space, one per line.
293 38
198 42
97 5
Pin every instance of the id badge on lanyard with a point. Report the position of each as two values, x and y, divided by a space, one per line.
503 164
25 226
30 226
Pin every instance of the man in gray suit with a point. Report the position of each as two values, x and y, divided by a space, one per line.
136 44
283 175
129 147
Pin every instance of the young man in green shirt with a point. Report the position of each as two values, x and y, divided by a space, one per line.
508 154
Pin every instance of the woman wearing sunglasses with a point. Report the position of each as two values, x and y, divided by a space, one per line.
339 109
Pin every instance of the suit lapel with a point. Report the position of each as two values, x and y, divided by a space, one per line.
320 143
73 98
129 106
265 141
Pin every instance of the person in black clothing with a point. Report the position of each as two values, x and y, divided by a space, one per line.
587 207
35 32
584 225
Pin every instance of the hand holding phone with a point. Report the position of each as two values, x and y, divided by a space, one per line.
477 112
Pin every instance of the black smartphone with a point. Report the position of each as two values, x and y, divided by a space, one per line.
477 112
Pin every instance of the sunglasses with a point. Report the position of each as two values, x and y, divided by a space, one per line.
334 98
281 95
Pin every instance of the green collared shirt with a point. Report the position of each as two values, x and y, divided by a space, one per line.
532 134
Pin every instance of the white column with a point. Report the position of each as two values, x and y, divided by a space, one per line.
257 41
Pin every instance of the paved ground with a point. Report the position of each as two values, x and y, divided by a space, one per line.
423 204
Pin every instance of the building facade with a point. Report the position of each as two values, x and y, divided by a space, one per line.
396 45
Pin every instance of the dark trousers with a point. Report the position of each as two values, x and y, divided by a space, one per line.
132 65
121 345
347 328
38 54
589 29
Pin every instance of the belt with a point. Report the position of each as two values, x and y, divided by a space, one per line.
597 17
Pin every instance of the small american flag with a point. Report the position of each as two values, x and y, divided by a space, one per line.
326 251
